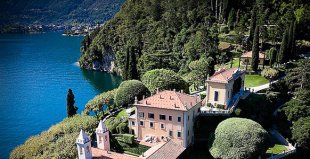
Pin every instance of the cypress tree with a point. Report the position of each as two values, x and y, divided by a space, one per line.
132 70
272 56
71 109
231 18
282 56
125 71
255 50
289 41
253 23
293 41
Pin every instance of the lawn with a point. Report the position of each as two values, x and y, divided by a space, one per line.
276 149
132 149
254 80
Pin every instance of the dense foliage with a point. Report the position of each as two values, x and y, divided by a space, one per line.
95 105
239 138
171 34
55 11
301 132
270 73
163 79
128 90
58 141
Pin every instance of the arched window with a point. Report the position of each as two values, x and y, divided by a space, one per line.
81 151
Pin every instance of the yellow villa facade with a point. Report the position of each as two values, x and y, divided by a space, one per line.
223 86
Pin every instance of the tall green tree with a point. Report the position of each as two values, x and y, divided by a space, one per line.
255 50
282 56
231 19
71 109
252 25
272 56
291 40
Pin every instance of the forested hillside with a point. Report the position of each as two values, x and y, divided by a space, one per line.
55 11
184 34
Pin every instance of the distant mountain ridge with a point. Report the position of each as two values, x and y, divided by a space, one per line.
57 12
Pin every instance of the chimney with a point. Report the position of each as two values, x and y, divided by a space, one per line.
143 96
157 90
173 90
136 100
181 90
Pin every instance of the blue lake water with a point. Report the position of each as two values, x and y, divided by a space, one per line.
36 72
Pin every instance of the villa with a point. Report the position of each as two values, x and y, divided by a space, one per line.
247 57
164 116
166 119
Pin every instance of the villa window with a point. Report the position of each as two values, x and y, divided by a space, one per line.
141 123
132 123
100 139
151 124
141 115
151 115
228 94
162 125
179 119
162 117
81 151
179 134
216 95
187 118
105 138
87 149
187 132
170 118
170 133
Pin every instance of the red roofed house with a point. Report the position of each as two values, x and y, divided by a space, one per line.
223 86
247 57
165 115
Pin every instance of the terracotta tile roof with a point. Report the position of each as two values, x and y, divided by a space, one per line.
169 150
249 55
224 75
170 100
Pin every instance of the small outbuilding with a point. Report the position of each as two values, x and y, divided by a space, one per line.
247 57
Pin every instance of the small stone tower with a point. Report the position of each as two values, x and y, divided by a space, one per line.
83 144
103 137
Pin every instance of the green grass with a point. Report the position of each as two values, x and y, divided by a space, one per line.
254 80
276 149
132 149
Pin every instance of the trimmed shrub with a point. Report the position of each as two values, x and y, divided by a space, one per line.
164 79
58 141
239 138
122 128
270 73
128 90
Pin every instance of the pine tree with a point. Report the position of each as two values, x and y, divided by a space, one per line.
255 50
282 56
71 109
125 70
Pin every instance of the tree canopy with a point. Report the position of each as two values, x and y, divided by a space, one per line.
71 108
128 90
163 79
301 132
239 138
58 141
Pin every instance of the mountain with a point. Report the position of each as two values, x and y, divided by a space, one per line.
174 34
56 11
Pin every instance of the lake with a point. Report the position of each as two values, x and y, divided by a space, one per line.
36 71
